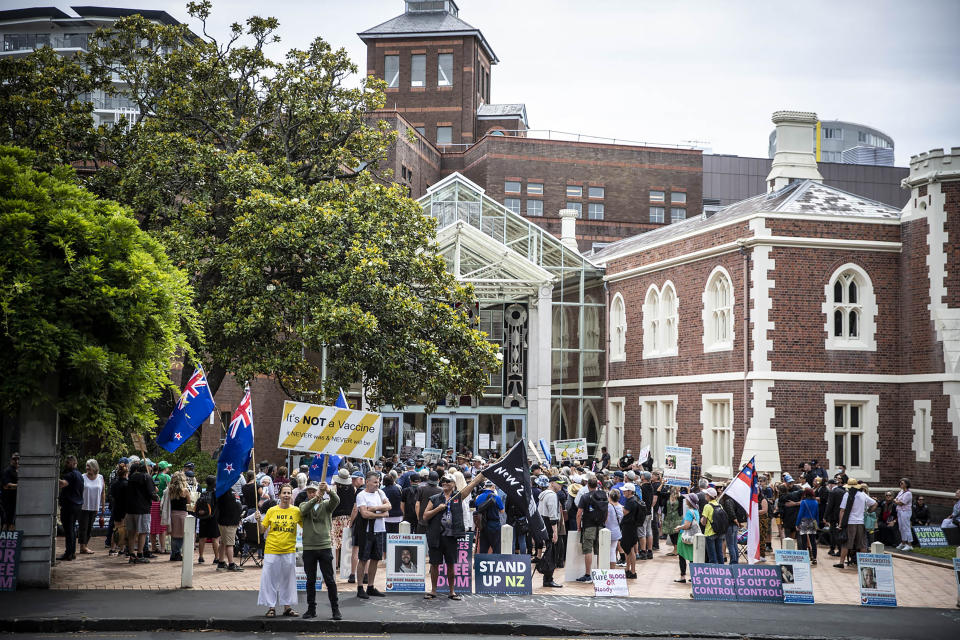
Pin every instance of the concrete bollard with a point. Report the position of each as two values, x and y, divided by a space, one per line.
186 567
790 544
575 565
506 538
700 548
346 552
958 589
876 547
404 527
603 559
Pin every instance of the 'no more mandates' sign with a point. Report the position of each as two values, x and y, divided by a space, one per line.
331 430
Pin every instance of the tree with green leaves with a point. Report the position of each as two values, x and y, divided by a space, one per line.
260 178
88 299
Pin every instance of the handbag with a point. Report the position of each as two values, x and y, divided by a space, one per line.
688 535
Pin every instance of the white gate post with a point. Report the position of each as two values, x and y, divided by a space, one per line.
186 566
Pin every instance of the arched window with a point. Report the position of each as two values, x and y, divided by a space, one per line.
668 311
651 322
660 322
850 309
718 312
618 329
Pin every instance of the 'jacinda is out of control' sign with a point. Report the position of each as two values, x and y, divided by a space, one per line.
320 429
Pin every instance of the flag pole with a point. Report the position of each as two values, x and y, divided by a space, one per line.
253 462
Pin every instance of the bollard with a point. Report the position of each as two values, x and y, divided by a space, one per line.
876 547
603 557
404 527
346 552
958 579
574 566
700 548
186 567
506 539
790 544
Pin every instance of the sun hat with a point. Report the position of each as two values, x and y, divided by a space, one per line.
313 485
342 477
852 482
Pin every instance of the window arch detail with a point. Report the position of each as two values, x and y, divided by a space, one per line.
850 310
718 312
660 321
618 329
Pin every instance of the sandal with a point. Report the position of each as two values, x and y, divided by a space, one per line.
455 596
430 596
271 612
289 613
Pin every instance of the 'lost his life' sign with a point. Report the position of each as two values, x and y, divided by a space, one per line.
735 582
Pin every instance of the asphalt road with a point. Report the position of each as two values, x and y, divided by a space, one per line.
166 635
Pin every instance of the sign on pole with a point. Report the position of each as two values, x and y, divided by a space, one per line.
406 562
676 466
876 580
331 430
795 575
567 450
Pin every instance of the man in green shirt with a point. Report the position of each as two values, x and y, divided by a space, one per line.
317 547
162 478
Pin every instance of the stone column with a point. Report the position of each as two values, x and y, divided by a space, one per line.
539 364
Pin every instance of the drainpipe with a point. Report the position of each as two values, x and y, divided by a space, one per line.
606 366
746 334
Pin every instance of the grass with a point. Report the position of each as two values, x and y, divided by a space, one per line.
945 553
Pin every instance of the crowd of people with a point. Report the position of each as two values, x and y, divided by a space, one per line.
447 497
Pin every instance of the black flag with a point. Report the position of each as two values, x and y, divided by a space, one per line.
512 476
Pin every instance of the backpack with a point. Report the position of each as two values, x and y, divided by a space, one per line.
595 509
204 508
719 521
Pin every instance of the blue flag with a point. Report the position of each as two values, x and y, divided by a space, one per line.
316 467
194 406
235 456
342 401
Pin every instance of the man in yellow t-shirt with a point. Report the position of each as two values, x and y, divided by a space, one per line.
278 581
714 538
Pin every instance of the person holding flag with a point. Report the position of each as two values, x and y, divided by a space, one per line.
233 461
745 489
193 407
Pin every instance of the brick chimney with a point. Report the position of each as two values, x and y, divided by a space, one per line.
568 228
794 158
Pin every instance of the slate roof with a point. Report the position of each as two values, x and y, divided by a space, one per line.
424 23
518 110
801 197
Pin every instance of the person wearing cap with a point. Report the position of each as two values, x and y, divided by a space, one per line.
445 517
714 538
489 508
852 507
549 509
791 506
317 545
229 511
357 484
634 512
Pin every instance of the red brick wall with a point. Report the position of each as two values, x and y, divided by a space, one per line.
710 238
812 229
951 192
919 350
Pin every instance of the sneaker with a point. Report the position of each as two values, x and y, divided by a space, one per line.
221 566
148 554
143 560
335 614
235 568
200 560
649 555
630 575
352 579
372 591
311 612
908 547
585 578
362 594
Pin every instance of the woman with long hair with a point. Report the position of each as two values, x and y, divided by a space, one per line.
177 494
278 580
764 512
904 502
807 523
672 517
614 516
94 498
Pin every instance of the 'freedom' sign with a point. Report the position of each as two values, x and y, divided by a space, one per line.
503 574
736 582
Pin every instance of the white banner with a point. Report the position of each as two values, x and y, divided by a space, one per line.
331 430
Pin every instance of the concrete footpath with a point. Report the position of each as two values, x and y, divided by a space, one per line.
539 615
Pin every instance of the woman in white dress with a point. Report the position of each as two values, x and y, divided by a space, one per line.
904 502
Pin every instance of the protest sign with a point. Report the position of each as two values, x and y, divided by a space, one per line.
795 576
930 536
566 450
10 544
643 455
876 580
736 582
503 574
676 466
300 572
462 570
956 574
408 451
431 454
331 430
609 582
406 562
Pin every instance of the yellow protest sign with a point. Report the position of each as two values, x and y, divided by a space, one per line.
332 430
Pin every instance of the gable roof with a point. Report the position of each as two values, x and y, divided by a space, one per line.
428 23
805 197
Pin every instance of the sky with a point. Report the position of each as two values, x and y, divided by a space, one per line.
676 71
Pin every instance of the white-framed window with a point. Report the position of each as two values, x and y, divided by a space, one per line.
444 135
618 329
574 191
576 206
660 321
513 204
418 70
656 214
445 70
535 188
658 424
678 197
595 211
716 416
596 192
511 186
850 308
658 196
534 207
677 214
851 422
616 413
922 430
391 70
718 311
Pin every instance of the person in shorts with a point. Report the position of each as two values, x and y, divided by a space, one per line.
228 519
371 532
856 502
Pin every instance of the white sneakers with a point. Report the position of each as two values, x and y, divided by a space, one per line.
903 546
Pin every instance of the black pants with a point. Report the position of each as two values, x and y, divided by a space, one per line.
547 563
808 542
69 513
674 537
323 558
655 525
86 525
835 536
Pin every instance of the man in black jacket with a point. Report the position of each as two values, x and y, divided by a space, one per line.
139 494
736 517
831 515
228 519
